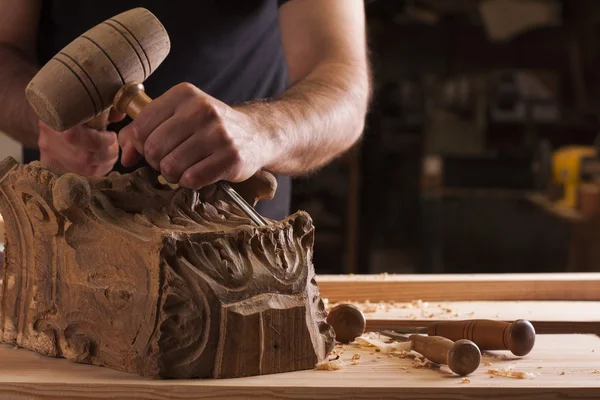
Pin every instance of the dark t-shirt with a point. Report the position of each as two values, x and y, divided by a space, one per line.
230 49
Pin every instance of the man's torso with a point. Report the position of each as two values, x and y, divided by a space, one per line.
230 49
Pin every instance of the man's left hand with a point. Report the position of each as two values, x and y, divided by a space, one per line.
195 140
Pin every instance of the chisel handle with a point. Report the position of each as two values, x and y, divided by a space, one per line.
462 356
518 336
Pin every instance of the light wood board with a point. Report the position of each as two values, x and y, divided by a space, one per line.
27 375
461 287
546 316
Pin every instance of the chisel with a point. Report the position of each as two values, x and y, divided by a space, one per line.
462 357
519 336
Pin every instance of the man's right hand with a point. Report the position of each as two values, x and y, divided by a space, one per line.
81 150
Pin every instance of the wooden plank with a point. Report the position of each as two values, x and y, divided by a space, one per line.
26 375
546 316
460 287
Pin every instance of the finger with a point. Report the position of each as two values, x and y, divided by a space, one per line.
196 148
89 139
129 155
150 118
115 116
166 138
208 171
162 108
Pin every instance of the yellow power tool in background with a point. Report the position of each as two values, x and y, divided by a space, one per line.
568 168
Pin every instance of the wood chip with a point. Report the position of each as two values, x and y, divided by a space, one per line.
563 373
596 371
487 364
355 359
509 373
327 365
466 380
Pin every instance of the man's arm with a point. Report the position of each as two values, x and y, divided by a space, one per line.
323 113
194 139
18 30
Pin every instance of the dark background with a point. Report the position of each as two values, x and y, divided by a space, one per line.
446 177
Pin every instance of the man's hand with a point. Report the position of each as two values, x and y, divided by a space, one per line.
195 140
81 150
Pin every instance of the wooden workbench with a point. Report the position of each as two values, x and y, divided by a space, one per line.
565 366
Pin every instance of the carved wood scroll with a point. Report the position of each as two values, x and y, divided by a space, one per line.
128 273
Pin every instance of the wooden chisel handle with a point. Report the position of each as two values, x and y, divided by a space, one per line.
518 336
462 356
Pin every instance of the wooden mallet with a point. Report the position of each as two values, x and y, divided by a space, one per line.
78 85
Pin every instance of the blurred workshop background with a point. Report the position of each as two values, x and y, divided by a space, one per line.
480 152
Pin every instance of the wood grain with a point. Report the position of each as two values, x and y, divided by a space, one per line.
27 375
125 272
387 287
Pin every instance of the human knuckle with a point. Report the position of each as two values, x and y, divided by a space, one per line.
168 167
235 155
225 137
151 150
135 131
186 88
189 180
210 110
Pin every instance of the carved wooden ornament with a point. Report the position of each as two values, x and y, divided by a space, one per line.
131 274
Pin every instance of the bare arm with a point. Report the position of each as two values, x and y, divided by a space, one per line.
322 114
18 29
194 139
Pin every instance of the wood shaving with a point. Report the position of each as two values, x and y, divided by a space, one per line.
596 371
419 363
328 365
369 340
355 359
487 364
509 373
465 380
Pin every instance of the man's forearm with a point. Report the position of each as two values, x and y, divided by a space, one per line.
17 118
317 119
